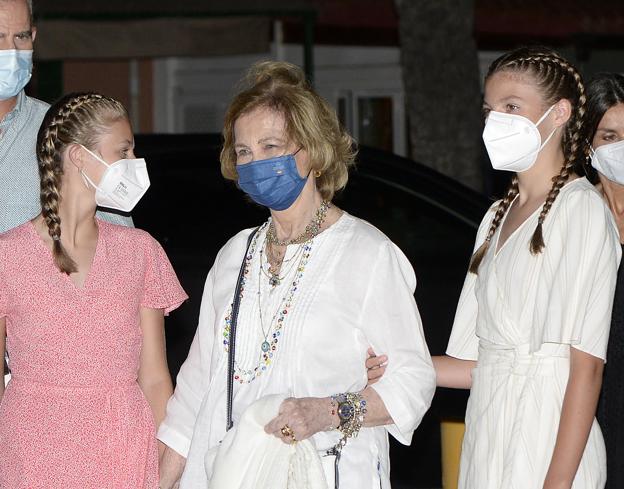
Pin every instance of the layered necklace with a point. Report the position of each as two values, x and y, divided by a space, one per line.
272 334
275 275
311 230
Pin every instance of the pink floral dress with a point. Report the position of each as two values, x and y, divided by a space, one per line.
73 415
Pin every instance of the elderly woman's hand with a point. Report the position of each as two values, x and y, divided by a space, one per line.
300 418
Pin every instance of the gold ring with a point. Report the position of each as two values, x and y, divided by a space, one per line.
287 432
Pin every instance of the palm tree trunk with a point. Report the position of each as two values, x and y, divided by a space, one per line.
441 78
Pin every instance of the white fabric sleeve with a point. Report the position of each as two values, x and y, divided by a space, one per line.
464 342
176 431
391 323
579 274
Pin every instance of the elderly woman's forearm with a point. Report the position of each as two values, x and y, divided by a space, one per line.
376 412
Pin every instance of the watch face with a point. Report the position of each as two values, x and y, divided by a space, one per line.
345 411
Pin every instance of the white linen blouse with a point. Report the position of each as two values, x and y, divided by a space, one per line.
356 291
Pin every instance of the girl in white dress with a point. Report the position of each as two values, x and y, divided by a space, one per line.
530 333
532 324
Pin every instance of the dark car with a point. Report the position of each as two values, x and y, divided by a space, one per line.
193 211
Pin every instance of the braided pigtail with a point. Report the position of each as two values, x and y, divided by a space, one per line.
574 151
75 119
50 172
557 79
501 210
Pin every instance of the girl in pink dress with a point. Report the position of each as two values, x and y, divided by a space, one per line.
81 315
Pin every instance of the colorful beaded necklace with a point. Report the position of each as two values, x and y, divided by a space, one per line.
267 349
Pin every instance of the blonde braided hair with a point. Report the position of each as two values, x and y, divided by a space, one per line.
557 79
78 118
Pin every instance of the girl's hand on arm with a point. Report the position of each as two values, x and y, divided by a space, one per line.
450 372
453 372
577 417
375 366
154 378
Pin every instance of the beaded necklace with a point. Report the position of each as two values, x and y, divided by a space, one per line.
267 349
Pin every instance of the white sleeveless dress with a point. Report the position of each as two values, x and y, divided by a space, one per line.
518 319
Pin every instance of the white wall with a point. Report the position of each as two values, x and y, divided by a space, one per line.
192 94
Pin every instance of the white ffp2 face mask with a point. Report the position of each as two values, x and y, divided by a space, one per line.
608 159
122 185
513 141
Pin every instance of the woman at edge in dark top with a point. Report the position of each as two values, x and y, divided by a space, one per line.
605 133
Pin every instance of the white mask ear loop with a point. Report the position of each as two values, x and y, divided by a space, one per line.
87 180
541 119
85 177
95 156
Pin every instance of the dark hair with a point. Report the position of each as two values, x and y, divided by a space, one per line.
77 118
604 91
557 79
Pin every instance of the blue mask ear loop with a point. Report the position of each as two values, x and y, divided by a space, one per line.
294 154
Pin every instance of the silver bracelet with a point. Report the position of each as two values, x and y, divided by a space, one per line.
351 409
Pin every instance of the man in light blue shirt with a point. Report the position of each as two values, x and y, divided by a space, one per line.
20 119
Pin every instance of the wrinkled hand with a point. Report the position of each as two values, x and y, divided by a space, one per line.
375 366
305 416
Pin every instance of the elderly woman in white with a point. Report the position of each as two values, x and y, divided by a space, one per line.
319 287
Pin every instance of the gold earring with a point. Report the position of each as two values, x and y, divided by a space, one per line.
317 173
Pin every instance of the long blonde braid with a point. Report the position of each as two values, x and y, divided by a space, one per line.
75 119
557 79
501 210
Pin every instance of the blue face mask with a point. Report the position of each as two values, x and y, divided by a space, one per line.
15 71
274 183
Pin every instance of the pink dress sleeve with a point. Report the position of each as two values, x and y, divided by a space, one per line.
4 300
161 287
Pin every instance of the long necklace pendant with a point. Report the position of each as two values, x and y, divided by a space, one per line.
274 281
265 346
